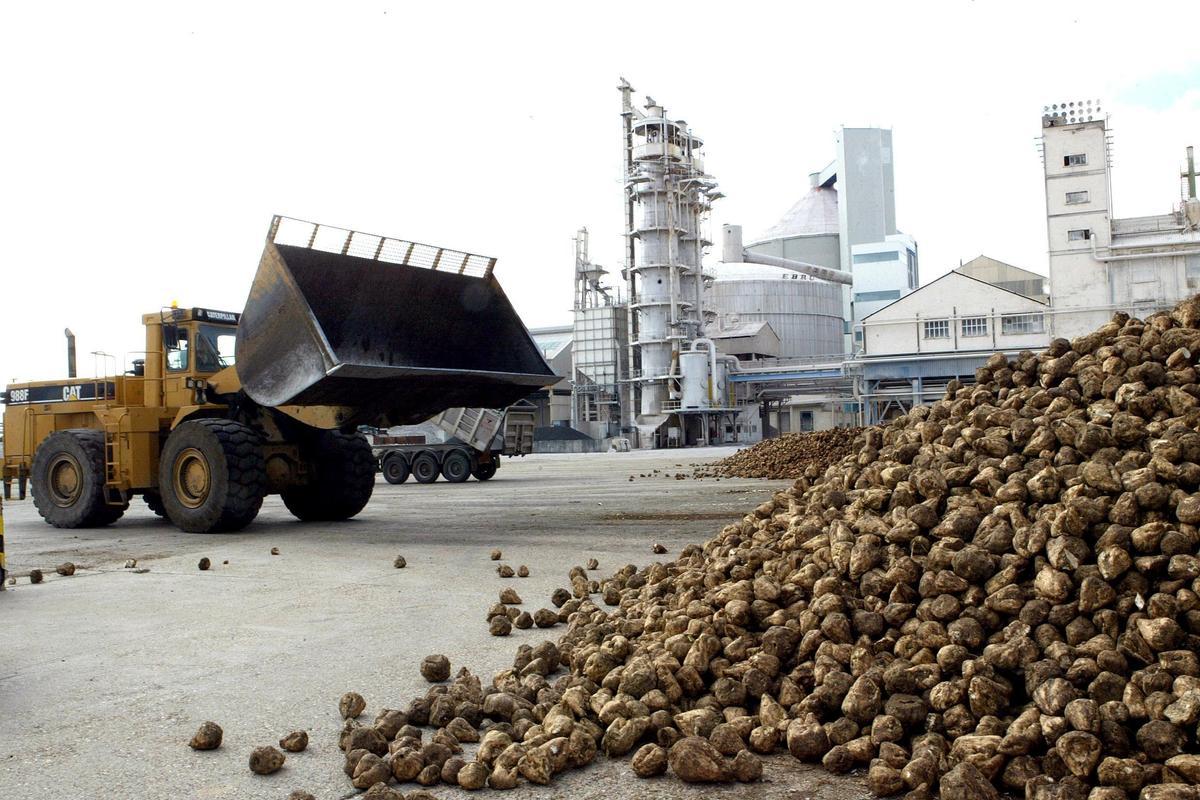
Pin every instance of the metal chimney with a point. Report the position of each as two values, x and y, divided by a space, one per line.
70 352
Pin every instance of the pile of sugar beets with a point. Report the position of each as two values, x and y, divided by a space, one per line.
998 593
786 456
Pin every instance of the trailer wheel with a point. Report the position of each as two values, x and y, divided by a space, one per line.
395 468
68 480
425 468
212 476
344 478
485 472
457 467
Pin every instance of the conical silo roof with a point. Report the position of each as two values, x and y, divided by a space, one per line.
815 213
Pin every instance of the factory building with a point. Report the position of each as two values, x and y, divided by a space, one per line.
759 343
846 221
883 273
599 351
553 403
1100 264
912 348
1006 276
680 393
956 314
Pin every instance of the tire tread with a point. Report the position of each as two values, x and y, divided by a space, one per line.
343 482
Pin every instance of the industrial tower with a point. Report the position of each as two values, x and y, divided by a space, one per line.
667 198
599 350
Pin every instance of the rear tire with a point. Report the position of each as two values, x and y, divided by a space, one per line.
395 469
425 468
343 471
154 503
485 472
457 467
212 476
68 480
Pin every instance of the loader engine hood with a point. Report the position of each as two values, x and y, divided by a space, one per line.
391 331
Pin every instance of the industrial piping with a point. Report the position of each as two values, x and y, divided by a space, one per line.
732 252
712 363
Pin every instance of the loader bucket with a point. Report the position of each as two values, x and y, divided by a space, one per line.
391 331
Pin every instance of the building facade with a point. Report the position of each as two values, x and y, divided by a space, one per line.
1100 264
956 314
847 221
1006 276
553 403
883 273
805 313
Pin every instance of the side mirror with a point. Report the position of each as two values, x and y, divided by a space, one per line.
170 336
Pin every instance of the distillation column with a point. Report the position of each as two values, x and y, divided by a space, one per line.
667 196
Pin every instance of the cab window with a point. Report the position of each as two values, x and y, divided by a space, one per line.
177 356
215 348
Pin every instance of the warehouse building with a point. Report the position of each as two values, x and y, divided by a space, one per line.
956 313
1006 276
553 403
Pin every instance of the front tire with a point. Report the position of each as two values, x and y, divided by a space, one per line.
212 476
68 480
343 471
457 467
395 469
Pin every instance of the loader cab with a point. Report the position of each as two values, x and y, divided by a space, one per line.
190 344
195 341
198 346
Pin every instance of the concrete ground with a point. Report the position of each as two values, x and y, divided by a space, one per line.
105 675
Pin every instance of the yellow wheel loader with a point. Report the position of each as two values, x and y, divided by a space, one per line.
341 329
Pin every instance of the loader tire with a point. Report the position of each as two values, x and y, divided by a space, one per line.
425 468
485 472
395 469
68 480
212 476
344 478
457 467
154 503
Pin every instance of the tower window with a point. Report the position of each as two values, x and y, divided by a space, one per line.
1074 198
1079 235
1075 160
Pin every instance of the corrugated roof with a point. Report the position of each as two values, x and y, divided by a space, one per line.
815 213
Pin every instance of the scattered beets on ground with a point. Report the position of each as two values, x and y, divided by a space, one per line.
996 593
785 457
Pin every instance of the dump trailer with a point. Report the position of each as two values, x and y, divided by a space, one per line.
341 329
478 437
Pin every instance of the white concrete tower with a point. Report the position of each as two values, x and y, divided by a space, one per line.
667 196
1075 155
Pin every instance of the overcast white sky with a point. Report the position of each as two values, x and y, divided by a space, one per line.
146 146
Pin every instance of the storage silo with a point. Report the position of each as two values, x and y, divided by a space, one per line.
805 313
